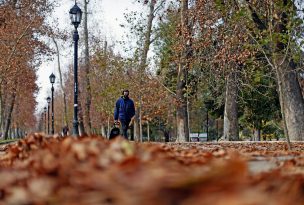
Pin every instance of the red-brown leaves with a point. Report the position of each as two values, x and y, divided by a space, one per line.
91 170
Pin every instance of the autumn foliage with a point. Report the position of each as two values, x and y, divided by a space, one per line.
22 23
92 170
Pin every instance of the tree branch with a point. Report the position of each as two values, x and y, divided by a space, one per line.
256 19
17 42
158 7
170 91
262 50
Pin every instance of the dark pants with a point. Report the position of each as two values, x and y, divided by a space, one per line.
125 127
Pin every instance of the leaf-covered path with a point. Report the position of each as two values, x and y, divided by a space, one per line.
91 170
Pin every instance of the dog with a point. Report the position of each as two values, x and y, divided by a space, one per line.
115 132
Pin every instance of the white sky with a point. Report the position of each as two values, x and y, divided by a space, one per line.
105 16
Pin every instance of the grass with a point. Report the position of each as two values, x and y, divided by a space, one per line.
7 141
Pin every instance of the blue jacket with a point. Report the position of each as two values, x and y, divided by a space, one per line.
124 109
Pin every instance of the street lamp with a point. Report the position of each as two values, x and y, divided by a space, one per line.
48 99
45 119
208 104
75 16
52 80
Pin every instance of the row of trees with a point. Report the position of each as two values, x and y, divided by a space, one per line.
21 25
239 60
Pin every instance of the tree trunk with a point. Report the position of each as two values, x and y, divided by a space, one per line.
14 133
147 42
257 135
148 131
140 119
182 75
292 100
216 129
1 110
41 122
136 126
4 104
103 130
87 70
231 131
61 84
18 132
181 116
132 132
10 111
167 136
109 128
181 110
80 117
143 61
10 133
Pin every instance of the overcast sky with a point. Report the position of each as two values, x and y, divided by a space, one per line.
105 16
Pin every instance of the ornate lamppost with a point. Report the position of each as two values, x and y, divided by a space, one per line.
52 80
75 16
48 99
45 119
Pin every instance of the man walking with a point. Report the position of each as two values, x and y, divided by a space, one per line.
124 112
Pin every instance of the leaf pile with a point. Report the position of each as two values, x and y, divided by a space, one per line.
92 170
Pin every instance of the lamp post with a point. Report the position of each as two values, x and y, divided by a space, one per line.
208 104
45 119
48 99
52 80
75 16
